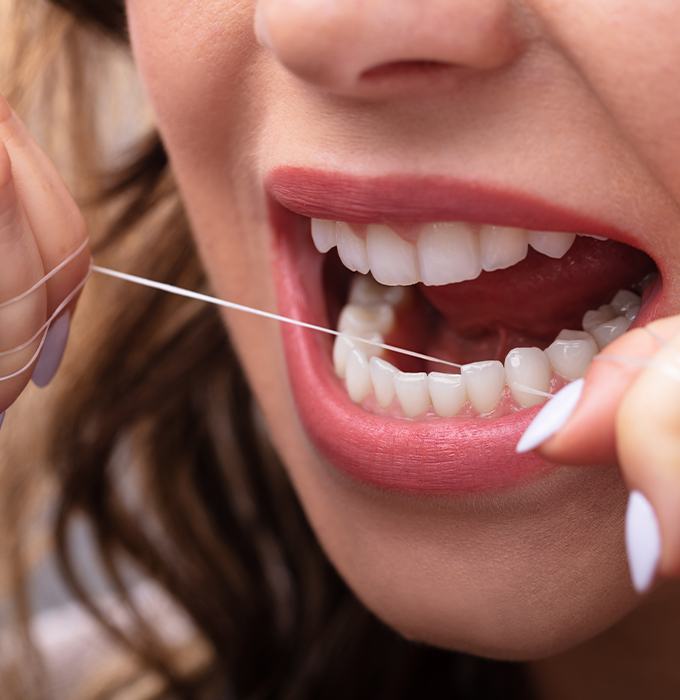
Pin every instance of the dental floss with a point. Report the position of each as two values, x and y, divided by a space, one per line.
180 291
45 326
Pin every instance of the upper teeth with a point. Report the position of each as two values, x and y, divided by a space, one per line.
443 253
371 315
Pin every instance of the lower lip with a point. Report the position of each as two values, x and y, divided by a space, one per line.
431 456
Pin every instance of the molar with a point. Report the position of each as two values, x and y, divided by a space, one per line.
392 259
413 392
528 366
571 353
551 243
625 301
448 253
484 382
593 318
609 331
447 393
502 247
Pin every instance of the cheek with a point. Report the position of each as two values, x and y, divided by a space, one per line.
612 38
191 63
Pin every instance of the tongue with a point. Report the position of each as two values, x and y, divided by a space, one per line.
535 299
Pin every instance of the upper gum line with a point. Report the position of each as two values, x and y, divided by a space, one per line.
481 386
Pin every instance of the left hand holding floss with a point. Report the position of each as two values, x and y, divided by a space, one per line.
628 413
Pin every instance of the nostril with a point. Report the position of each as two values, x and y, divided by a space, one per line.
395 69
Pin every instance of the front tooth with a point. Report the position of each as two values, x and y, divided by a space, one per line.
360 320
528 366
357 376
571 353
365 291
351 248
484 382
447 392
609 331
448 253
323 234
624 300
592 319
550 243
412 392
382 376
502 247
392 259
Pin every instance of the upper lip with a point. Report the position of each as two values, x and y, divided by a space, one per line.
425 198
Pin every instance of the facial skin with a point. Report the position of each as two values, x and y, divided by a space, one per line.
573 101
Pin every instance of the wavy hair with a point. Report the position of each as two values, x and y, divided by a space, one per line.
154 442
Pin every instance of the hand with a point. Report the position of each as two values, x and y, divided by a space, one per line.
629 414
40 226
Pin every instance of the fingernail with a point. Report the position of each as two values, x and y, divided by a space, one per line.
643 541
53 350
552 417
261 31
2 418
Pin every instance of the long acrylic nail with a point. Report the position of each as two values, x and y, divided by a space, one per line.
53 351
643 541
552 417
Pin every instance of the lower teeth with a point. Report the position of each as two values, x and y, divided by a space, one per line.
481 387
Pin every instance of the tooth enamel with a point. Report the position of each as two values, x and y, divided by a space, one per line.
609 331
360 320
392 259
413 392
341 348
530 367
323 234
484 382
552 244
448 253
343 345
592 235
502 247
592 319
624 300
382 377
365 291
357 376
571 353
447 393
351 249
632 313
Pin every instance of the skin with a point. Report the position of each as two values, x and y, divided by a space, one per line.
532 98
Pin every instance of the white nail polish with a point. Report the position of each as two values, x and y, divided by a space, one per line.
551 417
643 541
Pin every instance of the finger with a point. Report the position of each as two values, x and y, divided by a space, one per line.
589 434
20 267
648 448
53 215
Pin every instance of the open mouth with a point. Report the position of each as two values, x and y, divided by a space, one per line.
520 295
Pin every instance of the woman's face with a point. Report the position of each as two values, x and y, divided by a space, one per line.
541 115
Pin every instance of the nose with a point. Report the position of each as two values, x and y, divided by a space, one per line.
344 45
